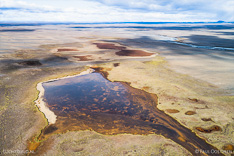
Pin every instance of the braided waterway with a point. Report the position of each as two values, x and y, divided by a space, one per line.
92 102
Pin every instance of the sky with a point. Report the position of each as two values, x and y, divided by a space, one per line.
116 10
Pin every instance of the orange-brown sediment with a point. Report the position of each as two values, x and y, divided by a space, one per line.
190 113
172 111
209 130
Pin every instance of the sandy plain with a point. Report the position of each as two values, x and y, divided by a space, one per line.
193 85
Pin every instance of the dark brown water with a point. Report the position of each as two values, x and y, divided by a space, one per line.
92 102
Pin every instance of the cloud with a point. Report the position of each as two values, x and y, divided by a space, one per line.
220 9
23 6
116 10
79 11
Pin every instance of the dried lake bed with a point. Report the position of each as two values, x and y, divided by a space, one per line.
193 85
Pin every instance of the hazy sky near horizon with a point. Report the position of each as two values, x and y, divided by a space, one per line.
116 10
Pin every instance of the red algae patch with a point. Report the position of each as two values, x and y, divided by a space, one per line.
109 46
84 58
172 111
133 53
66 49
209 130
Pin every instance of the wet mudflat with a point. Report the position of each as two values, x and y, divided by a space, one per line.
92 102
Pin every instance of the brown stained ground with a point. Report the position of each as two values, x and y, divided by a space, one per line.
228 147
109 46
193 99
91 102
207 119
209 130
84 58
146 88
123 50
102 71
172 111
66 49
190 113
116 64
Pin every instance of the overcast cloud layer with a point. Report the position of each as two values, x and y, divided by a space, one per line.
117 10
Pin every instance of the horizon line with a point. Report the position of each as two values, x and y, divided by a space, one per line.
137 22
